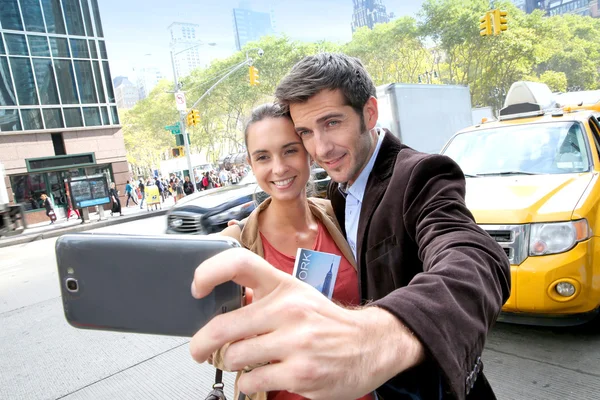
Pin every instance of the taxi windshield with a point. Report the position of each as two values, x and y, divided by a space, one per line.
531 149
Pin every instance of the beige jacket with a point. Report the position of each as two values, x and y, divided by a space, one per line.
250 239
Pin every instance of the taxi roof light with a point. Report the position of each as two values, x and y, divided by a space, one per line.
527 99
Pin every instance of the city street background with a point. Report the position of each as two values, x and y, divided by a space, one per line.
42 357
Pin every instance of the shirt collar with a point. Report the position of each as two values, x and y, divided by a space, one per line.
357 189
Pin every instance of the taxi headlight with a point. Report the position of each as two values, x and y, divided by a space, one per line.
557 237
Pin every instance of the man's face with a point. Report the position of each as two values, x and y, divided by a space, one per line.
334 134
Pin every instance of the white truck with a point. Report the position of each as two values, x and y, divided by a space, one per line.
424 117
12 217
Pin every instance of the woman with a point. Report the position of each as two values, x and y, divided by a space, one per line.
116 203
288 220
47 204
178 189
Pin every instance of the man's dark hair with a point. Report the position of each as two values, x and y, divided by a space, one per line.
327 71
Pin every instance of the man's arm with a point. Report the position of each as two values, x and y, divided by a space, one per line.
316 348
452 305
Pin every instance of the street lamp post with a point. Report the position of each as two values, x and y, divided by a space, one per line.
183 114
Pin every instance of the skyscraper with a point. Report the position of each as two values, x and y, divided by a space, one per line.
559 7
126 93
56 100
368 13
184 36
249 25
147 79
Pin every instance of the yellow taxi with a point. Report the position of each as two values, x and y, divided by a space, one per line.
532 184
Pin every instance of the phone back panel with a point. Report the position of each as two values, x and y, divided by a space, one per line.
141 284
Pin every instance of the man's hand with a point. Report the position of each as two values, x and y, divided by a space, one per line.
316 348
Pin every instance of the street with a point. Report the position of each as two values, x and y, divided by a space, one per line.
42 357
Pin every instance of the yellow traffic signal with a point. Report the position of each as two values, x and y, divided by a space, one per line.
193 118
253 72
485 24
500 21
178 151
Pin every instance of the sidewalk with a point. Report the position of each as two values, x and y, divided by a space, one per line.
46 230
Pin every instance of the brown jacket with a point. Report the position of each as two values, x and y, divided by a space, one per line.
250 239
422 257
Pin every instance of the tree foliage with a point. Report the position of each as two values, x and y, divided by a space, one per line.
441 46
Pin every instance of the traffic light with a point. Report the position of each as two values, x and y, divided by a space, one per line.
253 72
500 21
178 151
485 24
193 118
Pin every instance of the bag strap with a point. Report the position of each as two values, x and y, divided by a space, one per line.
218 379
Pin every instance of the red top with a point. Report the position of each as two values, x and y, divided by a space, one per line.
345 290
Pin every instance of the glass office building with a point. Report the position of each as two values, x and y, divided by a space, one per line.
58 114
53 66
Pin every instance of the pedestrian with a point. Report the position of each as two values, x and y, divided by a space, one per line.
71 211
205 181
160 187
178 188
130 196
188 186
49 206
116 202
288 219
432 282
142 189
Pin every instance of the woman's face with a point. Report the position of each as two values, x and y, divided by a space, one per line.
112 185
278 158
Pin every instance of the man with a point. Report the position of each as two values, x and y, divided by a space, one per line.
433 280
188 186
142 188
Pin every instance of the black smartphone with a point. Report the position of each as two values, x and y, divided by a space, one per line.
141 284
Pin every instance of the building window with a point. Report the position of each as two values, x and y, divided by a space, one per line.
99 86
10 17
109 88
9 121
16 44
79 48
73 117
28 189
66 81
53 118
85 79
2 51
53 16
32 15
7 94
24 83
39 46
93 50
115 115
73 17
44 74
92 116
96 12
105 120
87 18
103 53
59 47
59 144
32 119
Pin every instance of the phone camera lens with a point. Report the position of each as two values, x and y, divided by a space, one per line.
72 285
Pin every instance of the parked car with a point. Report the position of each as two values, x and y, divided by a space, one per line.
209 211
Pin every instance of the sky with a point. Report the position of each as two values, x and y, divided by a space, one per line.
136 30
